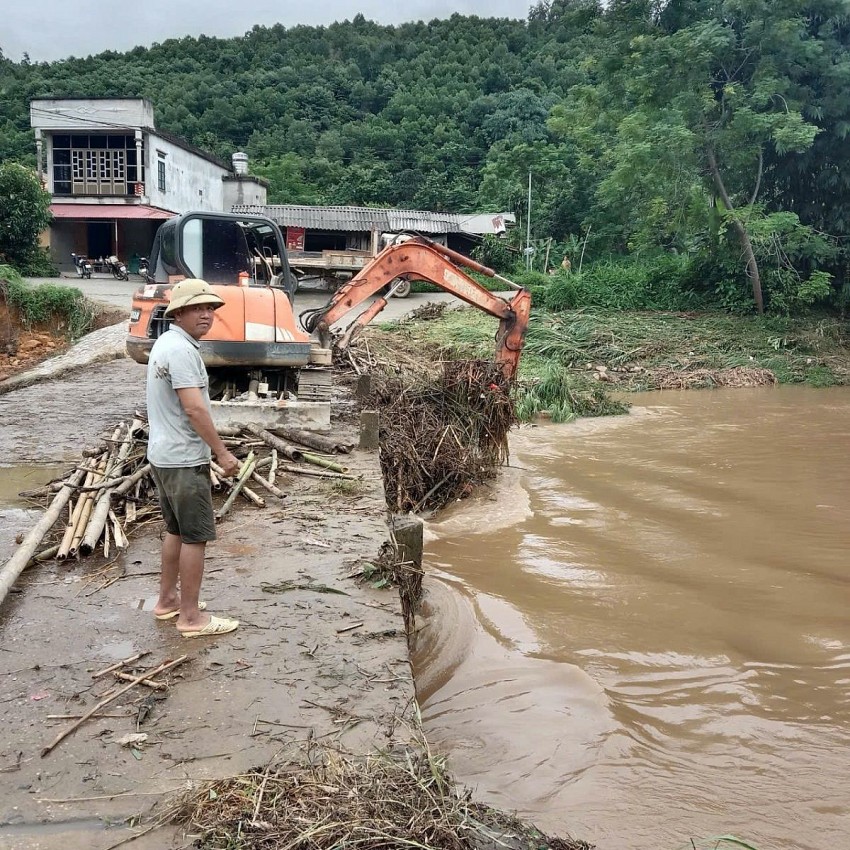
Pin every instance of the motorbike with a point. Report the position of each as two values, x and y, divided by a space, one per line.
143 266
118 269
82 265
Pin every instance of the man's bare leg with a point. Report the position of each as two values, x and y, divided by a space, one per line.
191 574
169 596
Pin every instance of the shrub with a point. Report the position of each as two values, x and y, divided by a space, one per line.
563 396
664 282
48 302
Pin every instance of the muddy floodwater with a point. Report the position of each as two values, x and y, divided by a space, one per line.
642 636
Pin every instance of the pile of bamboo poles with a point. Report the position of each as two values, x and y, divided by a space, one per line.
111 493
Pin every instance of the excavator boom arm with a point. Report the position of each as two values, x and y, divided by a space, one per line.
422 259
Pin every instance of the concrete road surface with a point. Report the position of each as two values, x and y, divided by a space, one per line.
119 294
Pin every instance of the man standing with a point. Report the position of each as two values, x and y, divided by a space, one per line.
182 437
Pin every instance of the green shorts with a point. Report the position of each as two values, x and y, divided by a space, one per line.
185 496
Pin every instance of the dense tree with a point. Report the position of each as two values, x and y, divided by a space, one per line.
24 214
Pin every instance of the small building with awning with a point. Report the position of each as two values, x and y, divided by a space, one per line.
114 178
335 242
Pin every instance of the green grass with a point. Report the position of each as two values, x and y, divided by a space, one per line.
47 303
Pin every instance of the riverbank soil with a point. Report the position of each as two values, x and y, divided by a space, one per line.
22 346
615 350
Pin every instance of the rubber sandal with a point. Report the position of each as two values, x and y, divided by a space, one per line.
216 626
202 606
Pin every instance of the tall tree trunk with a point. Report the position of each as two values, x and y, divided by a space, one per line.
752 263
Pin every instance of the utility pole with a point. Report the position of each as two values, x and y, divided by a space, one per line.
528 228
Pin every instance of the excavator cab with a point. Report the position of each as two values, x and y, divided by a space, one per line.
255 336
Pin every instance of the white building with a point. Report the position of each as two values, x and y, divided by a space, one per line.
113 178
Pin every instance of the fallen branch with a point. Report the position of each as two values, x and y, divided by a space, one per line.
104 702
244 475
147 682
119 664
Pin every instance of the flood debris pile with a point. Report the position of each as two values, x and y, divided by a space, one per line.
440 436
444 419
668 378
329 799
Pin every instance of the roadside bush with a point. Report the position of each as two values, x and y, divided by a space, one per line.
40 264
47 303
497 254
664 283
24 213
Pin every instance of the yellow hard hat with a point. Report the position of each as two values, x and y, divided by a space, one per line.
191 291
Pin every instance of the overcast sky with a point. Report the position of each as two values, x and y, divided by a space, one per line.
56 29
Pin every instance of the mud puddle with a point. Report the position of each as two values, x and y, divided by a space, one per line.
16 479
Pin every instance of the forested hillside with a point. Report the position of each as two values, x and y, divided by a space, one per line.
710 131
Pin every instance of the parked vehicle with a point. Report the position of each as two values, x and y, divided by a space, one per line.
82 265
143 266
118 269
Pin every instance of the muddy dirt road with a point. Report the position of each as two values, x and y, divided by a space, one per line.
305 663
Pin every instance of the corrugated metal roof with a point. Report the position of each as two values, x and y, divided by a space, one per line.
360 218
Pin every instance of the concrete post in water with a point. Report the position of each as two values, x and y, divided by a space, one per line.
408 532
364 386
369 429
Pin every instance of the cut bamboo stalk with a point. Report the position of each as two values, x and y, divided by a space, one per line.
275 491
315 473
276 443
273 467
85 510
135 480
333 466
100 513
129 512
16 564
88 467
215 480
320 442
106 541
74 726
117 532
252 496
43 555
247 492
244 474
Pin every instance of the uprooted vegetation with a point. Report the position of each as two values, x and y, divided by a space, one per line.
324 798
444 422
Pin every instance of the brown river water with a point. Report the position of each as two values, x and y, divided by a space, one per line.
641 637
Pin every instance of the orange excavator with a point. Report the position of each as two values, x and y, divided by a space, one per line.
255 341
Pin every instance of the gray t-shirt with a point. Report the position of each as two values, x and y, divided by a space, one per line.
174 363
